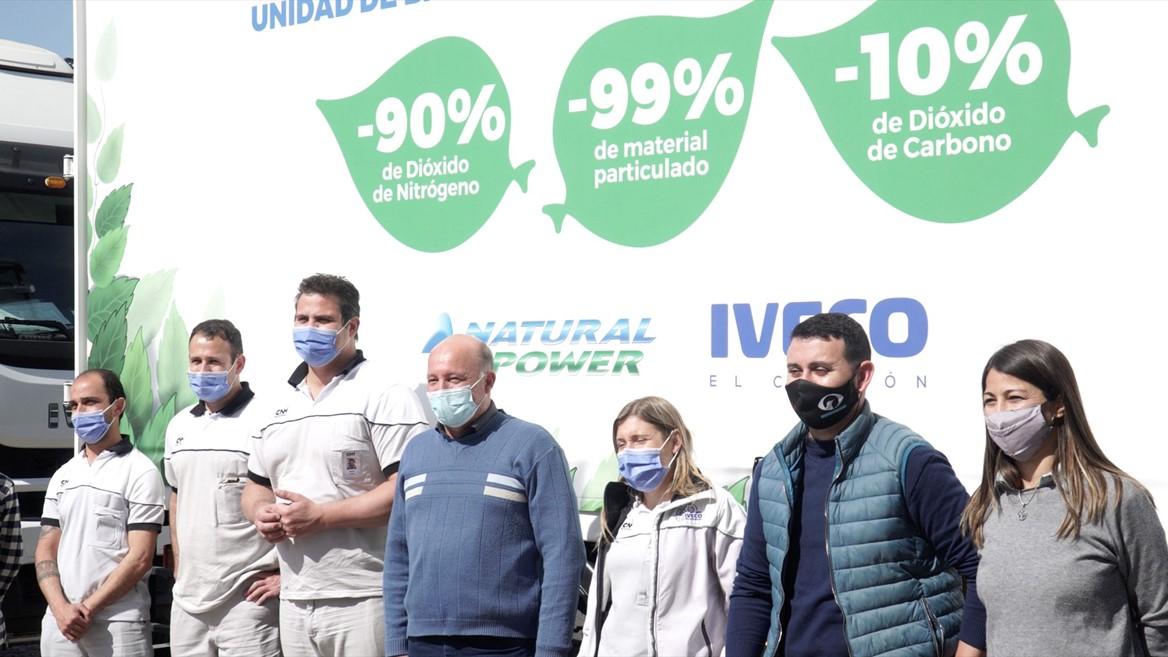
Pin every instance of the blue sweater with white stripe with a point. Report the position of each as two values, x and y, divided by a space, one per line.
484 538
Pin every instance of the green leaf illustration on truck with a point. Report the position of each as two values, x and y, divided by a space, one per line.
133 325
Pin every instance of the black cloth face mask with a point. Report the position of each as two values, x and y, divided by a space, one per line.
818 406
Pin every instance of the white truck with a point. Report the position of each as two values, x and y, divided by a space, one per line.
37 314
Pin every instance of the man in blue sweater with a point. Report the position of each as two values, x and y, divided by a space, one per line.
484 550
852 544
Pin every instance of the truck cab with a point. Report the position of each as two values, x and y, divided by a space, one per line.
36 294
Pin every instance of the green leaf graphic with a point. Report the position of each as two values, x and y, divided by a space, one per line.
109 158
428 144
173 361
648 120
109 342
107 53
112 213
136 379
947 110
107 256
738 490
592 497
151 301
104 301
92 119
153 440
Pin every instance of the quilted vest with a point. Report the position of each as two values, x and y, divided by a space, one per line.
897 597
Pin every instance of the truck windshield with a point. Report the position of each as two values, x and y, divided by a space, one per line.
36 280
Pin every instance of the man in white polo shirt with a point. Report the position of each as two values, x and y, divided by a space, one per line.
322 476
102 513
226 590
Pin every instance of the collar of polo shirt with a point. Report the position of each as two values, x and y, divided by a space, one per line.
120 448
1002 486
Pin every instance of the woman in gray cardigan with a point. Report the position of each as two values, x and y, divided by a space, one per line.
1073 556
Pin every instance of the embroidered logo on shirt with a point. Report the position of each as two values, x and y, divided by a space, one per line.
691 513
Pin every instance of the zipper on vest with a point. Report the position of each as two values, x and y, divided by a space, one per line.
827 546
789 486
934 626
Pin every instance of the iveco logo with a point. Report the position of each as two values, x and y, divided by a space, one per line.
831 402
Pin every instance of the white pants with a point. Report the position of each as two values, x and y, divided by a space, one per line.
102 639
237 628
338 627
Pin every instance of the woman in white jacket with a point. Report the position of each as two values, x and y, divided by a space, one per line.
668 547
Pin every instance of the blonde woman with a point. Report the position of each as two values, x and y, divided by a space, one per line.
1073 556
669 543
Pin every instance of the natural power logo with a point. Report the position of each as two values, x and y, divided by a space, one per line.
947 110
568 346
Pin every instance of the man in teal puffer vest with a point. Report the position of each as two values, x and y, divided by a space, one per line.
852 543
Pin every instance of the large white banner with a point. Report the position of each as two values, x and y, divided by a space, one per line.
635 198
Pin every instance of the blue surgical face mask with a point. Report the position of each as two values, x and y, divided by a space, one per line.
454 407
210 386
642 469
316 346
91 427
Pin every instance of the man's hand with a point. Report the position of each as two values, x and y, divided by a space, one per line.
966 650
267 523
72 619
301 517
264 587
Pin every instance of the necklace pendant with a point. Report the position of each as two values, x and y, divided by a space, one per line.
1022 514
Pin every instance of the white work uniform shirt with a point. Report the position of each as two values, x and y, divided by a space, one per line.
96 505
219 552
344 443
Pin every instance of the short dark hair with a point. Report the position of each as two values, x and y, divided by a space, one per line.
222 329
837 325
111 382
338 287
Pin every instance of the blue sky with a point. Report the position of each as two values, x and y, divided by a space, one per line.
44 23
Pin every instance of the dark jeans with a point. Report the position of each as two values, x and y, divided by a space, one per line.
470 646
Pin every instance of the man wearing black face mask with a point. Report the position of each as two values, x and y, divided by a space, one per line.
852 540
